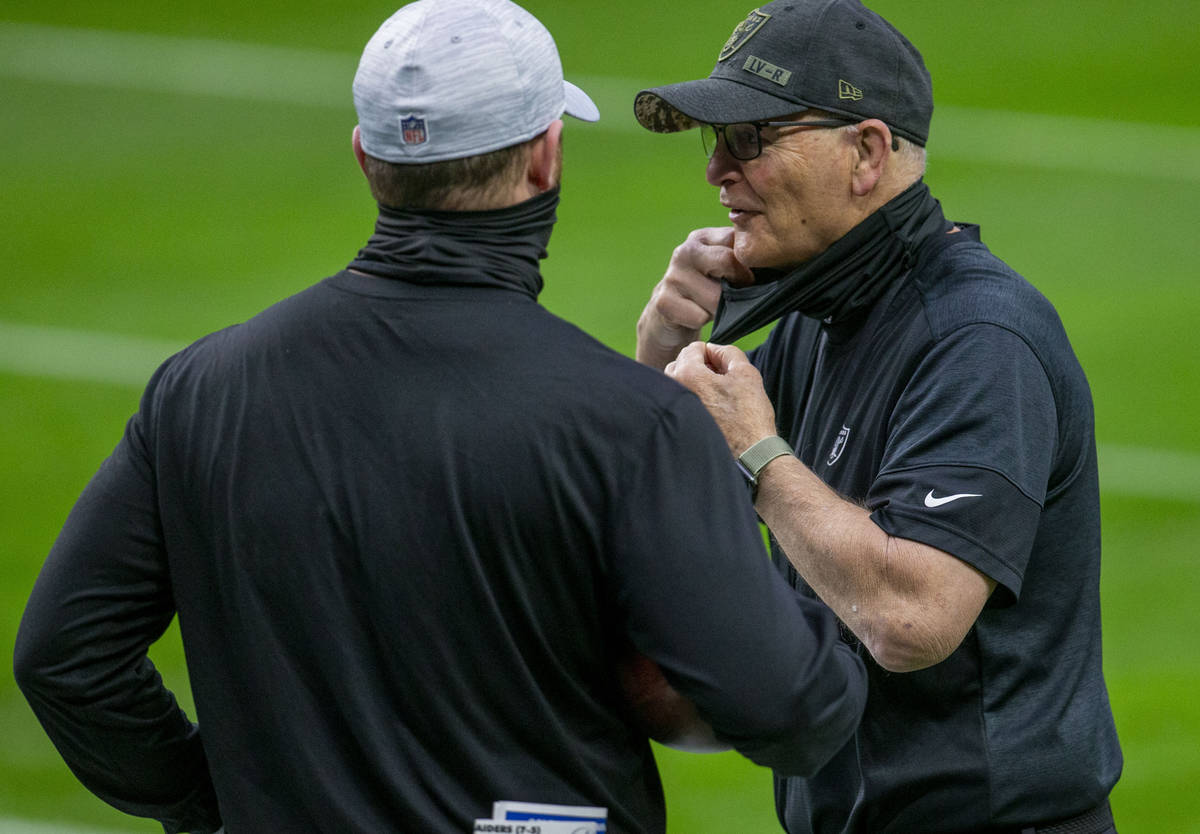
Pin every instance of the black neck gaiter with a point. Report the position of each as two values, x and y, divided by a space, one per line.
845 279
495 248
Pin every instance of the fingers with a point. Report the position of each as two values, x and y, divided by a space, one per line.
690 361
731 389
692 366
702 357
711 253
724 358
694 353
686 298
691 288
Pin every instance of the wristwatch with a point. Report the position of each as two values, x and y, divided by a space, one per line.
752 461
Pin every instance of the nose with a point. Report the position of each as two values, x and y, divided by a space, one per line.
722 168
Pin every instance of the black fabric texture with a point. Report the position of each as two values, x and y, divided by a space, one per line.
500 247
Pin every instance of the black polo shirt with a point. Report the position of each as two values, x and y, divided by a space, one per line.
956 411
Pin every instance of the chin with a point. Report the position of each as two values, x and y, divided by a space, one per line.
758 257
746 254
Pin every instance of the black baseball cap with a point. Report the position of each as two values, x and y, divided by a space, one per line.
792 55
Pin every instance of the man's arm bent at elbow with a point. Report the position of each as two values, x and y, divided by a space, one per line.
911 604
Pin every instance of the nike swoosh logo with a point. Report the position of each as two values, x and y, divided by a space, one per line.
930 501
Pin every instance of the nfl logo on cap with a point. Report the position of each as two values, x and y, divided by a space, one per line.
412 130
451 79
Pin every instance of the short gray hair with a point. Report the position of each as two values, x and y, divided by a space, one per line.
909 156
472 182
912 156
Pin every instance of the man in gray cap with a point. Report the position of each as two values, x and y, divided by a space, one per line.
942 498
412 524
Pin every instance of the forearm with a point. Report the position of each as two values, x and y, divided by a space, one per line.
911 604
168 782
815 719
104 706
900 598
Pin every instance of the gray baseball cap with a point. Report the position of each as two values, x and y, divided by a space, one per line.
446 79
792 55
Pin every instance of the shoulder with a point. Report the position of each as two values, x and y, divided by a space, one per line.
604 375
964 286
631 391
963 283
214 356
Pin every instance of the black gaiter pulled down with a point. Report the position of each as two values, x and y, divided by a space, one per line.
843 280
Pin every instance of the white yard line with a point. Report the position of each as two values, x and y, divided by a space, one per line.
161 63
319 78
81 355
13 825
116 359
1141 472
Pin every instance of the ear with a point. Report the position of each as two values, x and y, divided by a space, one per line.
873 146
545 158
359 153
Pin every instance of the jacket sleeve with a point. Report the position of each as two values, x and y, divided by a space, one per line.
102 597
764 665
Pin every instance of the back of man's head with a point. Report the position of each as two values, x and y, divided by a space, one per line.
448 91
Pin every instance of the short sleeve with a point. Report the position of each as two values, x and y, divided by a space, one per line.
970 447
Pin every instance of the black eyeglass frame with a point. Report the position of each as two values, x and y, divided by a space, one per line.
718 130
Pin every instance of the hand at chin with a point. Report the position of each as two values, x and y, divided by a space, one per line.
661 711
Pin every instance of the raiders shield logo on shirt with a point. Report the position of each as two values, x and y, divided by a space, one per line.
839 446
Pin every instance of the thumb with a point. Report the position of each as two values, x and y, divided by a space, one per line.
723 358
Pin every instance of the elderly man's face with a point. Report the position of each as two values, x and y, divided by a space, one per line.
791 202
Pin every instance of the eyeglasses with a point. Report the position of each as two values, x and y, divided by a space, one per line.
744 139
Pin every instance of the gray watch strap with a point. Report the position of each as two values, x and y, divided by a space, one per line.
762 453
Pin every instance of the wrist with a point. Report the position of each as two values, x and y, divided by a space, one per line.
658 344
755 459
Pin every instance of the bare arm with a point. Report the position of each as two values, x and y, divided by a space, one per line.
909 603
686 298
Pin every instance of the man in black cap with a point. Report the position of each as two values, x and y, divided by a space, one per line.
942 497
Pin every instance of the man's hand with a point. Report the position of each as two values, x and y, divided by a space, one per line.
686 298
730 388
661 711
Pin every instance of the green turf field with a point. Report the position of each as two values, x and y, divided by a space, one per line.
157 187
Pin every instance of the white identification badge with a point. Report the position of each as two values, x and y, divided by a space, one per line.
534 827
509 817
